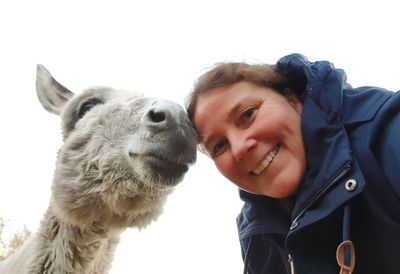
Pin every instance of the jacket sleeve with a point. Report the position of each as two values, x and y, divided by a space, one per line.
261 255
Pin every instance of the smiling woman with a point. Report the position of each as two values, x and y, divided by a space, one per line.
289 135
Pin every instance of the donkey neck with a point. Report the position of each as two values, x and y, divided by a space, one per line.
67 248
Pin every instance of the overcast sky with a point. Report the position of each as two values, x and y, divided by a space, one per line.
160 48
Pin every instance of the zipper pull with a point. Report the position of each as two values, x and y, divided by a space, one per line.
346 257
291 263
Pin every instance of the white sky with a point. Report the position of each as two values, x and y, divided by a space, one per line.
160 47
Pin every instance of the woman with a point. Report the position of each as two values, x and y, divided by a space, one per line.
317 163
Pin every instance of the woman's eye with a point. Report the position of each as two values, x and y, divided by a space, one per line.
247 115
88 105
218 148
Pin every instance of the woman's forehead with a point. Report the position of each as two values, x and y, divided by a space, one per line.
219 105
232 94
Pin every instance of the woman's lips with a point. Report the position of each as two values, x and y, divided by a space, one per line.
266 162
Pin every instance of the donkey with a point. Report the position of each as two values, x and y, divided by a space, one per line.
122 154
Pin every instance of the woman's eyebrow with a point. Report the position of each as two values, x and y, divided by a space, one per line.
234 110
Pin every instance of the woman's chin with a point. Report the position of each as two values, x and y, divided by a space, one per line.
282 186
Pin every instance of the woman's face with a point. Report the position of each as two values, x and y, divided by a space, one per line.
253 135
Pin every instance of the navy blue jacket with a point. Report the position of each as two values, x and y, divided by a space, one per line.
352 143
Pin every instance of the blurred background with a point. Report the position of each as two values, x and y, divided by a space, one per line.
160 48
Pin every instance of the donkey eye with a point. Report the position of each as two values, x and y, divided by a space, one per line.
88 105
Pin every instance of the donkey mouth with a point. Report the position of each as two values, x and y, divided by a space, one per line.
165 165
160 169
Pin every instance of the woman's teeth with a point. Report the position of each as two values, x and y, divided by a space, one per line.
266 162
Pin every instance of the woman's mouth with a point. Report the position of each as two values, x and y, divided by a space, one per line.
266 162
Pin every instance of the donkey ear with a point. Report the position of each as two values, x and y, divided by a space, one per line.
52 95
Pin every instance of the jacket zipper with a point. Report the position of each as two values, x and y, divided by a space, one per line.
342 172
290 260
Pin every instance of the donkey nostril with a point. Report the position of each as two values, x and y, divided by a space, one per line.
157 117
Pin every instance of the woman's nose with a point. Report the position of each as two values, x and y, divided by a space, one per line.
241 147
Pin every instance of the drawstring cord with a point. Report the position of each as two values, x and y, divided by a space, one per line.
346 233
345 253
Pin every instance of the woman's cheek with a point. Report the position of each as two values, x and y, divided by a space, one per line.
225 166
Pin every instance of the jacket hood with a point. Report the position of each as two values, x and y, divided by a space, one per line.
326 86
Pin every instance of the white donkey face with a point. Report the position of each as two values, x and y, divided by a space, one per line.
121 150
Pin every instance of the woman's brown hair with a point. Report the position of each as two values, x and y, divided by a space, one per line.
224 74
